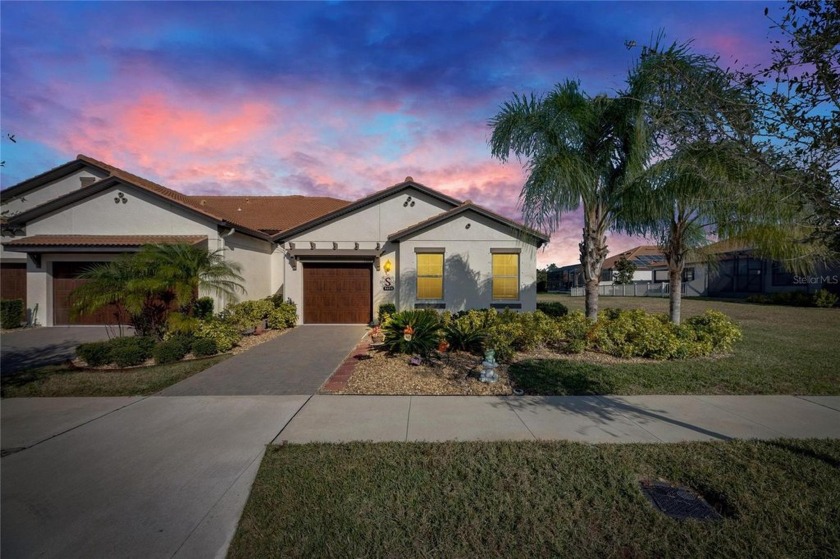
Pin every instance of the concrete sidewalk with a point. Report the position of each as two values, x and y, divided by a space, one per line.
593 419
131 477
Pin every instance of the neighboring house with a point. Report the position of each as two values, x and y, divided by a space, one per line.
646 258
337 260
735 271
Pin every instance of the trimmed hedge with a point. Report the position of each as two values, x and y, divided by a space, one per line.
169 351
553 309
124 352
11 313
204 347
95 354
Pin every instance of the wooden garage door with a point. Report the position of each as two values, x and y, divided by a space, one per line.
65 280
337 293
13 281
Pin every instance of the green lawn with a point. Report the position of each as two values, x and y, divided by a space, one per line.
780 499
65 380
784 350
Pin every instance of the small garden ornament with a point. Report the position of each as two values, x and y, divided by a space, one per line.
488 374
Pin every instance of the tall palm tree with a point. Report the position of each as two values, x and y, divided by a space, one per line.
186 270
707 178
580 152
706 192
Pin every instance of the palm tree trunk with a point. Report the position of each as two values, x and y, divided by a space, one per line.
593 252
675 285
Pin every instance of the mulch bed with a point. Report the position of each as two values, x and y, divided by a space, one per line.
371 370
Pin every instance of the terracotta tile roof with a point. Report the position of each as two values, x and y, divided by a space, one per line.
104 240
125 175
268 213
262 213
644 257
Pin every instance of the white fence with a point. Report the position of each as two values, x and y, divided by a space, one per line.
629 290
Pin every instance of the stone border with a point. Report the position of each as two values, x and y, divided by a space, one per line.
338 380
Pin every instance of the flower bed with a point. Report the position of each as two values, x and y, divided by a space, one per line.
455 373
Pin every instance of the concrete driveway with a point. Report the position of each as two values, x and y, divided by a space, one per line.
37 347
297 362
132 477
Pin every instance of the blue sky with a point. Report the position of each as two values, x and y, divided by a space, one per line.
336 99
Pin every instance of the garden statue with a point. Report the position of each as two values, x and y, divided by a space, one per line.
488 374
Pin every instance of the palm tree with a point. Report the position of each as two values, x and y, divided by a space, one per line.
185 270
705 192
119 283
707 179
580 152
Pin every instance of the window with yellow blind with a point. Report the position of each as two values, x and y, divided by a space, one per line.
430 275
505 275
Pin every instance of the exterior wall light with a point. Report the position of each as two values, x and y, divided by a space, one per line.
387 266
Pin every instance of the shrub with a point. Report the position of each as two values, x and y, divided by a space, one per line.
225 333
169 351
283 316
203 308
553 309
825 299
425 325
574 329
127 356
793 299
11 313
186 341
463 336
95 354
385 309
714 329
248 314
635 333
129 351
203 347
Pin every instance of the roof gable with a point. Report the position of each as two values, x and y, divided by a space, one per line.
46 177
467 206
384 194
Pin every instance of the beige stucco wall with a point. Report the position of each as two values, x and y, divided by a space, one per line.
36 197
468 263
49 191
367 226
255 257
143 214
468 260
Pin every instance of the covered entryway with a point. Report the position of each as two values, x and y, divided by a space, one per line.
13 281
65 280
336 293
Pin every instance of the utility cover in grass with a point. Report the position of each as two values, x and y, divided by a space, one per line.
680 503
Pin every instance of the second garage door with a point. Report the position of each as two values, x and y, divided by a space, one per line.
337 293
65 280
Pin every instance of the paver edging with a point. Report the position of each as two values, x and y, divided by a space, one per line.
341 376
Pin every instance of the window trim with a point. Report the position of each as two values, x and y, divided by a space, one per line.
684 274
655 274
518 253
430 250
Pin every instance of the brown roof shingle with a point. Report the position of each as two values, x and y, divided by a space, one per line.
104 240
268 213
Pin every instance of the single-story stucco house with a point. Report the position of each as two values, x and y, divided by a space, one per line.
337 260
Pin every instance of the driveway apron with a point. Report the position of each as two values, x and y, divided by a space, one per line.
28 349
297 362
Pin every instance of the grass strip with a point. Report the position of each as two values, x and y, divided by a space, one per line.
531 499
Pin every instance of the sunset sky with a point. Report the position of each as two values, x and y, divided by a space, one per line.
338 99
